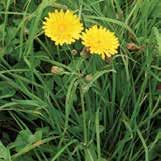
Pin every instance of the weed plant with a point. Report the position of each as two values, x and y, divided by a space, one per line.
90 109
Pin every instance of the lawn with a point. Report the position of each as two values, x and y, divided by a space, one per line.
61 99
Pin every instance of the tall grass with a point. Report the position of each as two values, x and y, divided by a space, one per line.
114 116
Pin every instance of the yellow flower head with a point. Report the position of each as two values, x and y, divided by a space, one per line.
100 41
62 27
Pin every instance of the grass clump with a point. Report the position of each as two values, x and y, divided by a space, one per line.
59 103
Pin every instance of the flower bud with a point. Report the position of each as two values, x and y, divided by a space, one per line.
57 70
85 52
74 52
88 77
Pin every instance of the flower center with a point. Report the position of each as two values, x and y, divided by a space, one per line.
61 28
98 41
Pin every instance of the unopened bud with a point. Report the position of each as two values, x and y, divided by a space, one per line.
56 70
74 52
88 77
85 52
134 47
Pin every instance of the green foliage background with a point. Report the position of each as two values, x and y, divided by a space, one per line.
113 117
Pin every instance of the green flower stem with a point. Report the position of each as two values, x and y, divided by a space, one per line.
84 116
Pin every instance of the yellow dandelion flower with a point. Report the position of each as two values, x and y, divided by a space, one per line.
100 41
62 27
